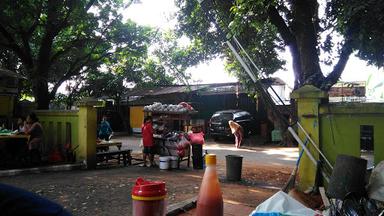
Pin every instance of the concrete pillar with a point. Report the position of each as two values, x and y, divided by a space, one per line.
87 133
7 106
308 100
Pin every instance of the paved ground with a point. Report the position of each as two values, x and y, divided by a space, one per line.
106 191
253 151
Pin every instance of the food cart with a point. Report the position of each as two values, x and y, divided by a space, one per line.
170 125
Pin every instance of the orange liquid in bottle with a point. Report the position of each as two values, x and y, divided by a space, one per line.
210 200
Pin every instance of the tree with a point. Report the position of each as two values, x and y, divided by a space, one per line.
176 58
112 84
55 41
328 34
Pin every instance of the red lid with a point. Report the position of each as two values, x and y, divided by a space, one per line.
144 188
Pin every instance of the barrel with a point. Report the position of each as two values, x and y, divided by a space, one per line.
234 164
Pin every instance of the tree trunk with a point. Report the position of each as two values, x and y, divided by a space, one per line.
41 93
305 12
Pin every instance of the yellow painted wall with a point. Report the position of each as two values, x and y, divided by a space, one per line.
83 130
56 131
87 135
136 116
6 105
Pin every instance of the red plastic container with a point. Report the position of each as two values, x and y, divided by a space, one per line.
148 198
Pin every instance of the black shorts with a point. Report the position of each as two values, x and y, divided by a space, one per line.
148 150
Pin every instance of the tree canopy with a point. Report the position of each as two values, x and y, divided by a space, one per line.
50 42
313 31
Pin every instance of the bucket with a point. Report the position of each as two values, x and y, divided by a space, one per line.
348 176
174 161
234 165
197 158
164 162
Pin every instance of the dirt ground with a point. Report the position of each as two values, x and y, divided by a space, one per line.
106 191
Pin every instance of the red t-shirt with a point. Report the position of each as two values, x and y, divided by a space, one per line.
147 132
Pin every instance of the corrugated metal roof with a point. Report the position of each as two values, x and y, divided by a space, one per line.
162 90
8 73
215 88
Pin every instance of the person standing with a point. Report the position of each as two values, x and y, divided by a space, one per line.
237 131
105 130
35 130
147 133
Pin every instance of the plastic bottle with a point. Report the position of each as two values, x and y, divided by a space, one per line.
205 153
210 199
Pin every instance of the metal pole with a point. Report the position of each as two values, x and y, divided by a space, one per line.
238 57
314 145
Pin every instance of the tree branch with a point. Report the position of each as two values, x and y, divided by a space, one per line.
77 41
289 40
74 70
281 26
14 47
36 21
89 5
73 44
334 76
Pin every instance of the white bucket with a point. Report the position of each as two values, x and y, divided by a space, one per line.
164 162
174 162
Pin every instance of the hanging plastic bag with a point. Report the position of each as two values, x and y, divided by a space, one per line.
376 183
182 144
197 138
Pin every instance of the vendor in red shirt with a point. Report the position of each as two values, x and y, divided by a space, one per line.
147 132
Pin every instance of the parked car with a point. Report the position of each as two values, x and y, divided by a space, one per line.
219 127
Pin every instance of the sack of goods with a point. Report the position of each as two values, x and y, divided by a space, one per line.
183 107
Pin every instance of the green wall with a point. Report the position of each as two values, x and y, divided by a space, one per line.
335 128
340 128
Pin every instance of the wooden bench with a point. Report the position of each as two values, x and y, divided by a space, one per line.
104 146
117 155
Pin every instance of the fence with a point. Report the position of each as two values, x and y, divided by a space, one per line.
60 129
77 128
337 128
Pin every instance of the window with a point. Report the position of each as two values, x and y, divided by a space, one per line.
366 137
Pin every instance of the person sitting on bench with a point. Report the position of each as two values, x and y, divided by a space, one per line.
105 130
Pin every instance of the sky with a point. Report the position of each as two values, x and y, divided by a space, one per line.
159 14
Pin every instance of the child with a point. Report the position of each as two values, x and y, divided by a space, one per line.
147 132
